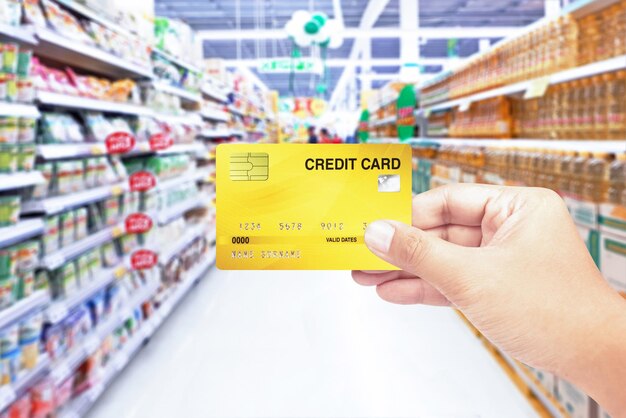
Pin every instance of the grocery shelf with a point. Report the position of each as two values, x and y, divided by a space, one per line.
19 180
53 205
19 34
77 54
15 312
17 109
188 237
189 119
237 132
177 91
177 61
187 177
580 8
216 133
168 215
25 379
564 145
70 252
60 151
234 110
385 121
59 309
600 67
212 93
21 231
95 16
77 102
217 115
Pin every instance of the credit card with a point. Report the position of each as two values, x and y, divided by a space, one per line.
306 206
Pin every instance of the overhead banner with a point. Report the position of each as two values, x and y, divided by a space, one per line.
285 65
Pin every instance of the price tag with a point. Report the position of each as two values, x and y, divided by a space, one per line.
537 88
7 396
142 181
54 260
138 223
117 190
60 372
117 231
120 272
427 113
464 106
143 259
91 344
97 150
120 142
160 141
57 312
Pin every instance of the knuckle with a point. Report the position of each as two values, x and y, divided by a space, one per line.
415 249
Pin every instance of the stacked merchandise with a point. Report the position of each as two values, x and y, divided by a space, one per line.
583 102
382 105
591 184
96 172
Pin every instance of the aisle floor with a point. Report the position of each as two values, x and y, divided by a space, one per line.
308 344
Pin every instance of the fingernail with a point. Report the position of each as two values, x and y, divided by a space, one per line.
378 236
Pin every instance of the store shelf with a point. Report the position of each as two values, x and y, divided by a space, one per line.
70 252
237 132
212 93
600 67
77 102
216 133
20 110
189 176
177 91
385 121
25 379
232 109
19 180
59 309
582 8
216 115
168 215
67 51
564 145
19 34
23 230
93 15
190 119
19 309
183 242
181 63
53 205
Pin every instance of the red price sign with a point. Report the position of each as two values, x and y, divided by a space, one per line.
138 223
142 181
143 259
160 141
120 142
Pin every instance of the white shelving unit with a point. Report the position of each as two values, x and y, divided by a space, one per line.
25 379
54 205
94 16
217 133
17 109
172 250
215 115
565 145
19 180
213 93
181 63
85 103
170 214
385 121
21 231
192 119
185 95
16 311
18 34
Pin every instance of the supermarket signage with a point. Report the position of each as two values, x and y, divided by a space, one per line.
142 181
160 142
119 142
364 131
138 223
537 88
143 259
286 65
406 112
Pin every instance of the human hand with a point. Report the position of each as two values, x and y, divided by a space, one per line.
512 261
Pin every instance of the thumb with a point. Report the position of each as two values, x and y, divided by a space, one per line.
413 250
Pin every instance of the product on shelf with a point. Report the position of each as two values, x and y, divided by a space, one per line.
16 85
10 12
9 209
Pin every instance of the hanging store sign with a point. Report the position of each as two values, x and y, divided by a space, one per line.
138 223
119 143
143 259
406 112
364 126
284 65
142 181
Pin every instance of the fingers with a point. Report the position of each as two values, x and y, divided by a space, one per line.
365 278
453 204
467 236
411 291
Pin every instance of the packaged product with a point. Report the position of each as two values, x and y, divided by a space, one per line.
77 325
29 335
54 340
27 256
11 88
26 284
64 23
42 398
60 128
8 158
119 170
94 217
33 13
9 210
65 280
82 268
112 210
113 300
128 243
26 130
20 408
98 127
9 353
94 262
25 89
24 59
8 129
8 261
26 157
9 57
63 392
10 12
64 176
78 176
96 307
68 228
3 83
47 171
109 255
80 219
7 291
51 239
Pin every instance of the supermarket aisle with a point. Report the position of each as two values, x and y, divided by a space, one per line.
285 344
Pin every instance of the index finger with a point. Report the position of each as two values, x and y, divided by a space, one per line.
457 204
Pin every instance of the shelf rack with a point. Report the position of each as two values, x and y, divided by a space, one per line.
183 242
181 63
212 93
23 230
19 180
19 34
25 379
185 95
217 133
34 302
17 109
385 121
54 205
564 145
216 115
168 215
84 103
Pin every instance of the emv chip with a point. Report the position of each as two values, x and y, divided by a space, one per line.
249 167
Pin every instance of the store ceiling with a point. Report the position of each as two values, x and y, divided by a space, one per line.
273 14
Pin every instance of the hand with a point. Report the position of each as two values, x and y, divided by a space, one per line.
512 261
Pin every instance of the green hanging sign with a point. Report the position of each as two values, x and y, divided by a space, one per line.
406 112
285 65
364 131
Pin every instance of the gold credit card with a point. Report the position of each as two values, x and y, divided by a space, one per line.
306 207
